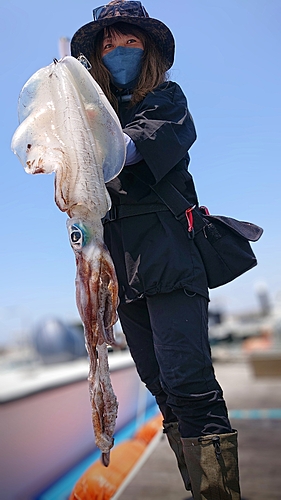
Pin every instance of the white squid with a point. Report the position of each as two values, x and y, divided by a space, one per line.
68 127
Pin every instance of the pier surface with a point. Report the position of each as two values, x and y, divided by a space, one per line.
254 404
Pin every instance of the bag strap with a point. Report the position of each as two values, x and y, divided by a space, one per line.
122 211
186 213
172 198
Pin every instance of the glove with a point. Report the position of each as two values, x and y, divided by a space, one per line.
132 154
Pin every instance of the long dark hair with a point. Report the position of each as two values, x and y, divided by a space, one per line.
153 67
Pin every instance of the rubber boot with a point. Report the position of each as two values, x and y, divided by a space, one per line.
213 466
173 435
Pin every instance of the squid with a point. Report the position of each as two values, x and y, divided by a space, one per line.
68 127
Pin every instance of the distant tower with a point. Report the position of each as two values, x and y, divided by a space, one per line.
263 298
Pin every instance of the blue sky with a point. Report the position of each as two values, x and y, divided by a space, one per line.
228 64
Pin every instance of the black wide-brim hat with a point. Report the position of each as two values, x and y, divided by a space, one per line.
130 12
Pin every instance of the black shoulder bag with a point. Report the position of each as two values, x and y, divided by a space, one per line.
223 242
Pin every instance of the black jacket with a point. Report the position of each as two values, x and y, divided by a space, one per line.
152 252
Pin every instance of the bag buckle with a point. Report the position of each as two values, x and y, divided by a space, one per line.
111 215
190 223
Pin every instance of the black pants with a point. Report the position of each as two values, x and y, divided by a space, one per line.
167 335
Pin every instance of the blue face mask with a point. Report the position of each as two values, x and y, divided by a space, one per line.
124 64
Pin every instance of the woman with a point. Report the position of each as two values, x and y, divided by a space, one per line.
162 282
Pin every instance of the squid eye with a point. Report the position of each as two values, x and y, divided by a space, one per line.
77 237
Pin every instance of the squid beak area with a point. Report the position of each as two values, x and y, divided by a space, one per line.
105 459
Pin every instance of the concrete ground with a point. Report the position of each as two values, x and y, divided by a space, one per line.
259 441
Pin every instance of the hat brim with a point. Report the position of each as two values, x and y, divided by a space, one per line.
83 40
